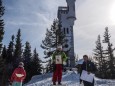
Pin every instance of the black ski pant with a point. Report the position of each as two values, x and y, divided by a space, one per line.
88 83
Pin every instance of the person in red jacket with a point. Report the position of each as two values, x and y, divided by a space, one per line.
18 75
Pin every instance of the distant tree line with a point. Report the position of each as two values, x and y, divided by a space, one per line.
15 52
104 57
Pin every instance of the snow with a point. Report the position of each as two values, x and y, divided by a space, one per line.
80 62
104 82
70 78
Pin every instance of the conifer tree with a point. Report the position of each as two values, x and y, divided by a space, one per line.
109 54
10 51
9 58
49 66
1 65
100 59
54 36
1 38
18 49
36 63
1 30
4 53
2 71
34 67
27 53
1 24
4 67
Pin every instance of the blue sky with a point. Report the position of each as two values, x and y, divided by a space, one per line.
34 16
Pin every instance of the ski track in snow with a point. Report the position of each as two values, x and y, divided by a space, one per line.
70 78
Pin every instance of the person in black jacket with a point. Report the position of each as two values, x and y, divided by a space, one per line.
90 68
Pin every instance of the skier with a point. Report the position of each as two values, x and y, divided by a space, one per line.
18 75
59 58
90 68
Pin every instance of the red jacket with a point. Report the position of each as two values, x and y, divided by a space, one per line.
18 75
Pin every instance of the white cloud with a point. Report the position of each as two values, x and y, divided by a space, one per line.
93 16
34 16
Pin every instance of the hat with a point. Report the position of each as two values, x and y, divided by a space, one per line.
59 46
21 64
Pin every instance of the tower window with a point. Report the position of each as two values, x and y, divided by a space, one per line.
64 31
67 30
66 45
68 8
74 8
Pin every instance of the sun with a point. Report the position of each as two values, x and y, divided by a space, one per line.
112 13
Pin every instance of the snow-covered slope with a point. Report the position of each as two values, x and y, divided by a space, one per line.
70 78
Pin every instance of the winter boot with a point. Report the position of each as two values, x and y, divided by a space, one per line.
59 83
54 83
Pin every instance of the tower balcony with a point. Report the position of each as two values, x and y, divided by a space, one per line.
71 17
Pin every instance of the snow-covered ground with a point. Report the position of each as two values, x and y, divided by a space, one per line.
70 78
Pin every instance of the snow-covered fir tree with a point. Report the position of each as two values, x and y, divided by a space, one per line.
100 60
109 54
54 36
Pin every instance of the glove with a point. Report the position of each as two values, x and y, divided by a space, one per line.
64 63
52 62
